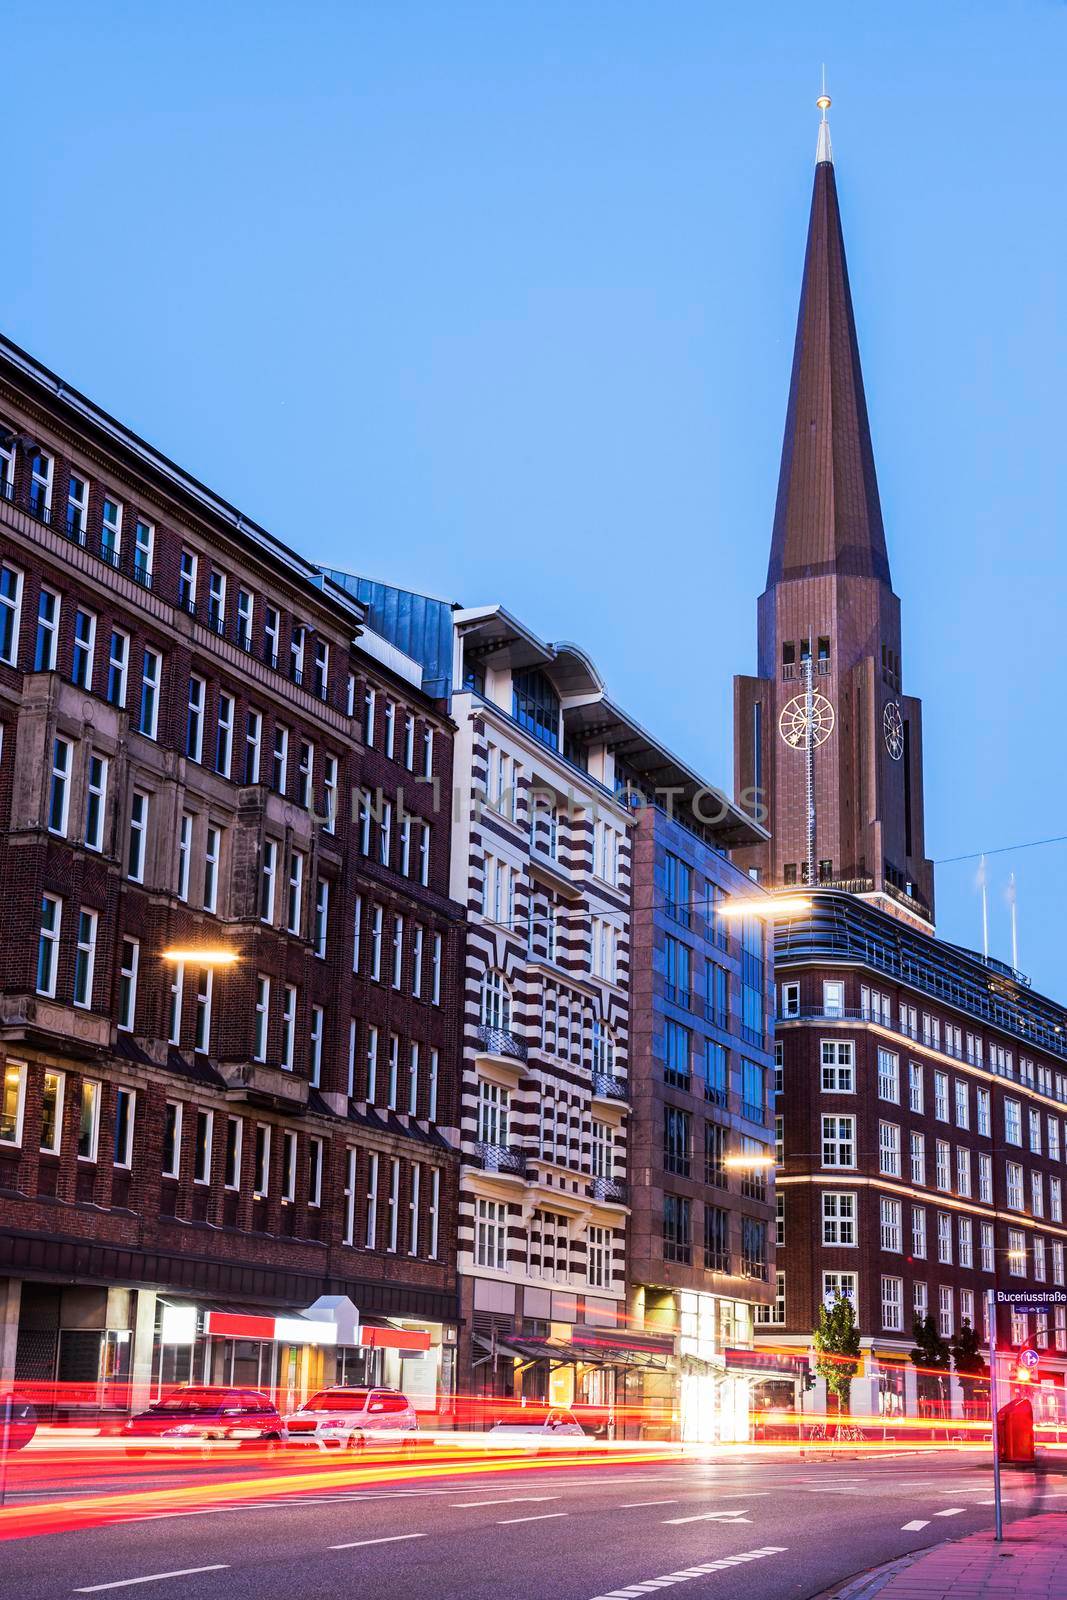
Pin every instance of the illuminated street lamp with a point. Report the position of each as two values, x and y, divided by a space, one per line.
750 1161
207 957
767 906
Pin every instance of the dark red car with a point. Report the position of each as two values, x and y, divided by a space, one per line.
203 1420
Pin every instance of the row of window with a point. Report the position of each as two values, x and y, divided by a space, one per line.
931 1031
383 1072
839 1150
549 1245
53 1091
951 1102
955 1239
679 1063
126 540
678 1238
676 882
548 822
384 955
269 1165
715 1163
569 1028
564 1125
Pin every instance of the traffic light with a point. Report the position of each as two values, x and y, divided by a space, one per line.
1022 1374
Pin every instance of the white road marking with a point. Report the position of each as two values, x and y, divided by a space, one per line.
710 1516
540 1516
953 1511
515 1500
152 1577
631 1505
913 1527
650 1585
392 1538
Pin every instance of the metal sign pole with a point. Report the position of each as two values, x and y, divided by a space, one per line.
998 1510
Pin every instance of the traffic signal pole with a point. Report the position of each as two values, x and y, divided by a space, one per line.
998 1509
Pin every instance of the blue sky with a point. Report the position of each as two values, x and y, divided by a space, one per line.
498 300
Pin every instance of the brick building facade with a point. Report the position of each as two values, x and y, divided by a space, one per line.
227 1021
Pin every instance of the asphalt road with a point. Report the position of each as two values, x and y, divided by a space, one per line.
735 1530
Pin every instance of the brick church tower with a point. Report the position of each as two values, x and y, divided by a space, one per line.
825 730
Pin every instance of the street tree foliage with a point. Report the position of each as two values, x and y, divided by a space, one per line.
837 1347
967 1352
931 1351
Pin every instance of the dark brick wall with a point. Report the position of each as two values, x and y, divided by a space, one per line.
60 1199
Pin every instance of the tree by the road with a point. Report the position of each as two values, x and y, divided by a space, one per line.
969 1363
932 1357
837 1347
967 1352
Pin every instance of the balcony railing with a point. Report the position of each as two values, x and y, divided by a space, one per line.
606 1087
608 1189
499 1042
501 1158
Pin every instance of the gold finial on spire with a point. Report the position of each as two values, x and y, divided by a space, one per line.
824 151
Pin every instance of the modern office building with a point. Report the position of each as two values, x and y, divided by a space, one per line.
228 1032
702 1081
922 1106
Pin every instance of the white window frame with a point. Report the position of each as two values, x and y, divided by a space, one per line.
128 971
85 957
48 939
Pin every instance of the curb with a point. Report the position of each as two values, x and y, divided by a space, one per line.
867 1584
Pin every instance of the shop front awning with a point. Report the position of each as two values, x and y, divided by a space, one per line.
290 1328
595 1347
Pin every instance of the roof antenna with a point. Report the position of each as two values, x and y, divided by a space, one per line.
824 152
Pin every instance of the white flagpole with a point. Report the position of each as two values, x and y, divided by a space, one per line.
1014 923
985 906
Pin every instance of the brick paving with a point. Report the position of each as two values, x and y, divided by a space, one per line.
1031 1564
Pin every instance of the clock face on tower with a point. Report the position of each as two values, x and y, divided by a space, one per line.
795 721
893 728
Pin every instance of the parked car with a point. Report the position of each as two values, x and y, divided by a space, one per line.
537 1428
18 1422
354 1419
204 1419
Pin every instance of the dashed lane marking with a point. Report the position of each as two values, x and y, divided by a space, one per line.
632 1505
684 1574
913 1527
515 1500
540 1516
710 1516
392 1538
953 1511
151 1577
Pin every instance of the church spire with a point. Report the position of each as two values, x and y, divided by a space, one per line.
828 519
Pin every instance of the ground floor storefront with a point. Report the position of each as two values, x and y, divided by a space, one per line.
79 1350
891 1392
708 1391
530 1346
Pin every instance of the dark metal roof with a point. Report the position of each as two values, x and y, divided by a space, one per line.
827 518
841 928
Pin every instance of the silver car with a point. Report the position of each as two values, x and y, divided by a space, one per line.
354 1419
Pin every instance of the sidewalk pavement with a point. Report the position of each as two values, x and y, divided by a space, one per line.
1030 1564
